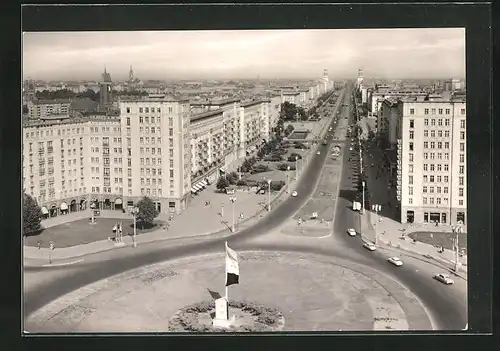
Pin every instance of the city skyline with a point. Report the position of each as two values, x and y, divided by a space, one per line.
270 54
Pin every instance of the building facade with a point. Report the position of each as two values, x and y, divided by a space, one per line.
155 147
432 171
40 109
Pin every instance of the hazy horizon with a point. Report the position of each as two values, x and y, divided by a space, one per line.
429 53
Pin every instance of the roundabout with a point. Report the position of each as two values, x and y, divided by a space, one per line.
287 291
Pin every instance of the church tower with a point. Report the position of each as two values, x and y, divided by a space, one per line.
131 74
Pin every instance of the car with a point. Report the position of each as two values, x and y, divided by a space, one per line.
369 246
395 261
350 148
294 193
318 153
351 232
443 278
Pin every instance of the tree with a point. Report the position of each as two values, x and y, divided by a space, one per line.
32 216
147 211
222 183
288 111
302 114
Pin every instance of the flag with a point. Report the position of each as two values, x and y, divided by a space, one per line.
232 269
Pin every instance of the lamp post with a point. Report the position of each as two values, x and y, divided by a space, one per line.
51 247
135 211
363 198
457 230
222 209
288 178
269 195
376 208
233 201
296 168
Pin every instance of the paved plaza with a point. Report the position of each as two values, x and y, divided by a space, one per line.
314 293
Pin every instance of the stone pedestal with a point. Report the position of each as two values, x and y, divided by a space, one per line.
222 319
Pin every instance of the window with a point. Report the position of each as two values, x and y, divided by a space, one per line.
462 111
462 135
445 190
460 180
440 122
426 122
460 191
445 179
424 200
128 109
425 178
410 169
439 168
440 111
438 201
411 134
431 189
431 179
433 111
411 157
432 167
433 133
426 111
410 180
426 154
461 170
438 189
440 144
462 123
128 121
462 147
447 122
462 158
447 111
411 145
141 119
446 133
424 189
410 190
171 173
432 155
412 112
460 202
446 168
438 179
147 111
440 133
426 145
446 156
446 144
426 133
433 144
425 167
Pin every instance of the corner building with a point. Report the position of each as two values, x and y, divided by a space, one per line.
432 161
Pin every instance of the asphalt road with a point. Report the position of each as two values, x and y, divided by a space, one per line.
446 304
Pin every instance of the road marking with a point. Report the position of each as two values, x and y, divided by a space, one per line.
62 264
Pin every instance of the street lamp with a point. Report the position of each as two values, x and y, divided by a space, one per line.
135 211
269 195
457 229
363 198
233 200
288 178
222 209
376 208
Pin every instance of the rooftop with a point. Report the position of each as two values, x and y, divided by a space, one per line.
207 114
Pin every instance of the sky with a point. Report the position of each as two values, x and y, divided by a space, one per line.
271 54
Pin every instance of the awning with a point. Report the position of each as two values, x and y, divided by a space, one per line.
204 183
201 185
64 206
44 210
193 190
197 187
118 201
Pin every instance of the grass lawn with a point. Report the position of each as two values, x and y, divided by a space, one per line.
440 239
81 232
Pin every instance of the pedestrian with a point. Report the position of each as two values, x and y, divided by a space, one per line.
39 245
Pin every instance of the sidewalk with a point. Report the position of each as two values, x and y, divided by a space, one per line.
390 231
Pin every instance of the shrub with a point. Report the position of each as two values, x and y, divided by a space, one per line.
241 182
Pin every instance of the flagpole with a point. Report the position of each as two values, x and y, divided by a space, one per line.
227 295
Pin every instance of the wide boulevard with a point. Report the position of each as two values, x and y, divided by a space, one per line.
446 305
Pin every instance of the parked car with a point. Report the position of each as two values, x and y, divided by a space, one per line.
443 278
294 193
351 232
395 261
318 153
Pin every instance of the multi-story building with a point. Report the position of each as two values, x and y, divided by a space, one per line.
292 97
388 120
432 172
40 109
153 148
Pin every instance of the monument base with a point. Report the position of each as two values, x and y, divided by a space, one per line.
224 323
120 244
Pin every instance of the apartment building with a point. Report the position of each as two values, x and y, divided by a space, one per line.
432 171
292 97
389 119
153 148
38 109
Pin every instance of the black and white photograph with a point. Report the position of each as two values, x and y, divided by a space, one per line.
198 181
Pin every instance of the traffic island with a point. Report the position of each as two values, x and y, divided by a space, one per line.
243 317
312 292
